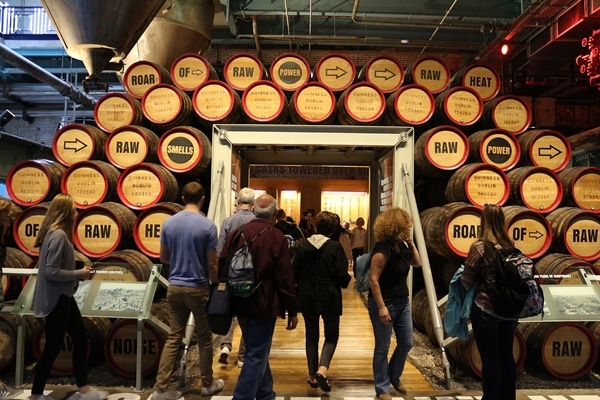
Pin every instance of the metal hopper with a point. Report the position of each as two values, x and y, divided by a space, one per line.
98 31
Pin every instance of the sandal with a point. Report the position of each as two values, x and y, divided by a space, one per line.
312 382
323 382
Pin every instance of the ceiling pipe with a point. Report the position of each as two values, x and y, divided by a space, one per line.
410 22
256 40
64 88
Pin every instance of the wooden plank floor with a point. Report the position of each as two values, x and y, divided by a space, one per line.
351 370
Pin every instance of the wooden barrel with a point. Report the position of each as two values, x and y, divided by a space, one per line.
385 72
421 315
125 265
430 72
567 350
336 71
190 71
242 70
142 75
78 142
450 230
185 150
31 182
166 106
148 224
478 184
479 77
537 188
27 226
313 103
576 232
545 148
9 325
440 150
120 347
431 192
216 102
361 104
96 328
594 327
90 183
264 102
143 185
290 71
13 284
496 147
581 187
530 230
466 354
114 110
508 112
460 106
103 228
410 105
131 144
563 269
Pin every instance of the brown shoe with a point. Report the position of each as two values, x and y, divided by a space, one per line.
400 388
384 396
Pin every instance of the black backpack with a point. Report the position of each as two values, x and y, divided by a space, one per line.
241 276
516 293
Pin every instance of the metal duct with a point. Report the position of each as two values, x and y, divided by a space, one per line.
64 88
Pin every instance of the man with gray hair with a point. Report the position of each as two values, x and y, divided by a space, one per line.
245 203
275 296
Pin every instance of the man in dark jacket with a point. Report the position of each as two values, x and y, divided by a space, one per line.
274 296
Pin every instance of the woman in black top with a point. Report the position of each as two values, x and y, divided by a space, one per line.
321 270
388 303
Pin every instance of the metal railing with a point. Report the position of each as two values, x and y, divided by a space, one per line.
25 21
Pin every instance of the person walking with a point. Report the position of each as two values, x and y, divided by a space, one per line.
188 243
245 202
357 236
274 297
388 303
321 271
56 283
288 228
493 334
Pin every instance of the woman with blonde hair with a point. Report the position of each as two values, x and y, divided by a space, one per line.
57 281
388 303
493 334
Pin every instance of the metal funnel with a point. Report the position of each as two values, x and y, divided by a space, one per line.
185 26
96 31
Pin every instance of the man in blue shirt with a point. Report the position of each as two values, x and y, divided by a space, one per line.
188 243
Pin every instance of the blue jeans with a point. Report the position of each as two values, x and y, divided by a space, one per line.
388 372
255 380
494 338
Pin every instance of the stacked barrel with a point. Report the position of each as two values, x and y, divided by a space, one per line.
479 150
472 147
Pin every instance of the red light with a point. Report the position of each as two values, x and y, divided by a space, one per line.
504 49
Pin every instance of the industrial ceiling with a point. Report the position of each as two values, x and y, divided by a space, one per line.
544 37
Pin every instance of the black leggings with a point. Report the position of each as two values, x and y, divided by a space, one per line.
64 318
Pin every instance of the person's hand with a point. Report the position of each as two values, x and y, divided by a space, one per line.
87 272
292 323
384 316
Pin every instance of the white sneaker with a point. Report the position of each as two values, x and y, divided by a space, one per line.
240 363
215 388
166 395
224 355
92 394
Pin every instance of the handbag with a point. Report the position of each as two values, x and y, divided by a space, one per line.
218 309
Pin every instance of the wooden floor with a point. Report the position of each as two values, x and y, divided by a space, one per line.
351 370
